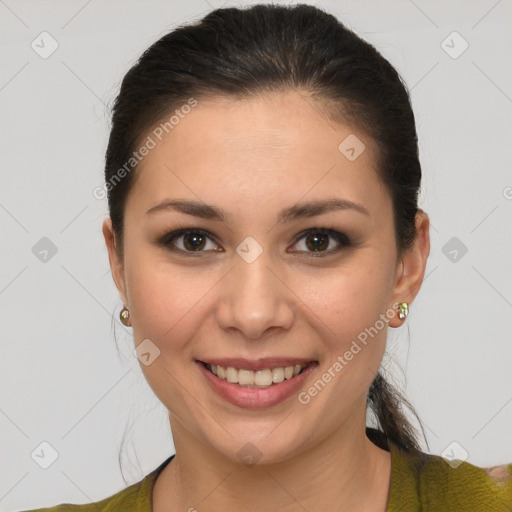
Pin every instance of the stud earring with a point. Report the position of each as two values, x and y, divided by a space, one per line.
124 315
403 310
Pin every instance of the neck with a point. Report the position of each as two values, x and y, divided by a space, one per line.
345 471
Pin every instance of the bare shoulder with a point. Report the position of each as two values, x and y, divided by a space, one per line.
501 476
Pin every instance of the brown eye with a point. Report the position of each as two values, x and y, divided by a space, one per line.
189 241
317 242
321 242
193 241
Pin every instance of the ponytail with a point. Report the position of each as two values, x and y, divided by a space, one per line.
387 403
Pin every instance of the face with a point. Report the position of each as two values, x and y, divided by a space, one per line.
259 282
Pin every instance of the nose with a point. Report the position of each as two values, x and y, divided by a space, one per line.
254 299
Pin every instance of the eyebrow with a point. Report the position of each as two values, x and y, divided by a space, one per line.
297 211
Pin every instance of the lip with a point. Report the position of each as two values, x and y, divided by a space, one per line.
241 363
256 397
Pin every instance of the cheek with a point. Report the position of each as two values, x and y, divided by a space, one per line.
347 314
348 309
166 305
348 299
166 301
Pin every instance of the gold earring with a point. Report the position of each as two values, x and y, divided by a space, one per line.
403 310
124 315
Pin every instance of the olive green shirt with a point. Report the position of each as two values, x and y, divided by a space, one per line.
419 482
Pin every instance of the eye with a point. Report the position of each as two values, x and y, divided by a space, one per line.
318 241
188 241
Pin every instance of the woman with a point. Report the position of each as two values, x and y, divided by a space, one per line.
264 232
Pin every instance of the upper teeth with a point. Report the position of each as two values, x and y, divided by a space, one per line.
259 377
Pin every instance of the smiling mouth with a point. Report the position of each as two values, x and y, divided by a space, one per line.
263 378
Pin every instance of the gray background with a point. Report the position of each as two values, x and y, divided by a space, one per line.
66 382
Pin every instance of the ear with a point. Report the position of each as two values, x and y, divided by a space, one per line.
116 263
411 267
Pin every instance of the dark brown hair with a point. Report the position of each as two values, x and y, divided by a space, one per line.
238 52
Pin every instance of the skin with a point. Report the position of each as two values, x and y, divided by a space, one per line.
251 158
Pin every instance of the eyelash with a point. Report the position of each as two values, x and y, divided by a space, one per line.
341 238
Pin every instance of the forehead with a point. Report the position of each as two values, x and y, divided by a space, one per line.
275 124
264 149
